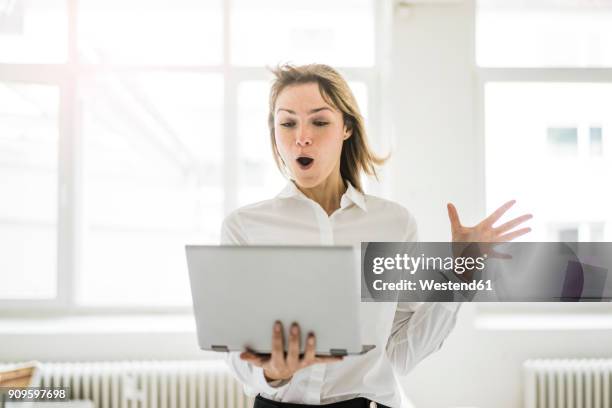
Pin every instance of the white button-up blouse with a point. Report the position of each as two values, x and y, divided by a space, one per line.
404 333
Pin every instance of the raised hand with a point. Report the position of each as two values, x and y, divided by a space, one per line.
485 231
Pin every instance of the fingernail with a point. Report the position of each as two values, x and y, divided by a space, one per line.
311 340
277 326
294 329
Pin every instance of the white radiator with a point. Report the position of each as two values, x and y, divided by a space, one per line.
148 384
568 383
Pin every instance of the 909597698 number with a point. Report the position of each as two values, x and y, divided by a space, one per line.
36 394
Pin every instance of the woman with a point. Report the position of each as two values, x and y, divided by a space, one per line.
319 142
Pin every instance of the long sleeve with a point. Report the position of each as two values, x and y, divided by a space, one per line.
251 377
418 329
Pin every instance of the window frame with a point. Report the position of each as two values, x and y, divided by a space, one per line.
70 178
506 313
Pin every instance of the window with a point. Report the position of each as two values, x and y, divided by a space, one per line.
544 33
34 31
272 31
28 175
163 32
152 181
544 92
129 129
550 168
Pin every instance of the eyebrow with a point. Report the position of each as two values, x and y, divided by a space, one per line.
310 113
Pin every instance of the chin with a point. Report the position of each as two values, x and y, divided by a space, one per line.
307 182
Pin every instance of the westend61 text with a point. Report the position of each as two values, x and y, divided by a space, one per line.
429 285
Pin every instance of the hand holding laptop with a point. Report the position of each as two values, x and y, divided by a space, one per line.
277 365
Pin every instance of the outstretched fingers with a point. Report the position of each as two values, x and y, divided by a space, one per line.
497 214
513 223
512 235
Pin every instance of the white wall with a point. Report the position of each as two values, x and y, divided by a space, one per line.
482 368
438 157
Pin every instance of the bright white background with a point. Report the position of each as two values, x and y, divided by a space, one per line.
169 138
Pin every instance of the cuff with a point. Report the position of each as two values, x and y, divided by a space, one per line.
264 385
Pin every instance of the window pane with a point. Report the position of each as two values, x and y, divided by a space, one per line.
259 178
597 231
28 176
153 183
568 235
168 32
521 121
541 33
596 144
268 32
33 31
360 91
563 141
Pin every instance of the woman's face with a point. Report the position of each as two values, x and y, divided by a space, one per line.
309 134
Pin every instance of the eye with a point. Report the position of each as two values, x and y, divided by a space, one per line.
289 124
320 123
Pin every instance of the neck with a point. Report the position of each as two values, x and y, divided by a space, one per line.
328 193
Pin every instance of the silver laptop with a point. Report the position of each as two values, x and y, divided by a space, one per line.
240 291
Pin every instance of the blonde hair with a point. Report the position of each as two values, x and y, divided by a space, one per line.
356 155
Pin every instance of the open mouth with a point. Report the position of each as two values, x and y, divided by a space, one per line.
305 162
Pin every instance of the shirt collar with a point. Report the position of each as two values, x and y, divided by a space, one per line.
351 195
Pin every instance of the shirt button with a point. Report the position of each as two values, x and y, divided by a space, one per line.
373 404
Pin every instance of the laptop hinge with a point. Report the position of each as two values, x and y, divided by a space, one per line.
338 352
215 347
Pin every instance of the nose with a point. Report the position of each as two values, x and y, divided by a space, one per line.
303 139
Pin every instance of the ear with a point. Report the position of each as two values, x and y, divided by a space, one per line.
349 124
348 132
